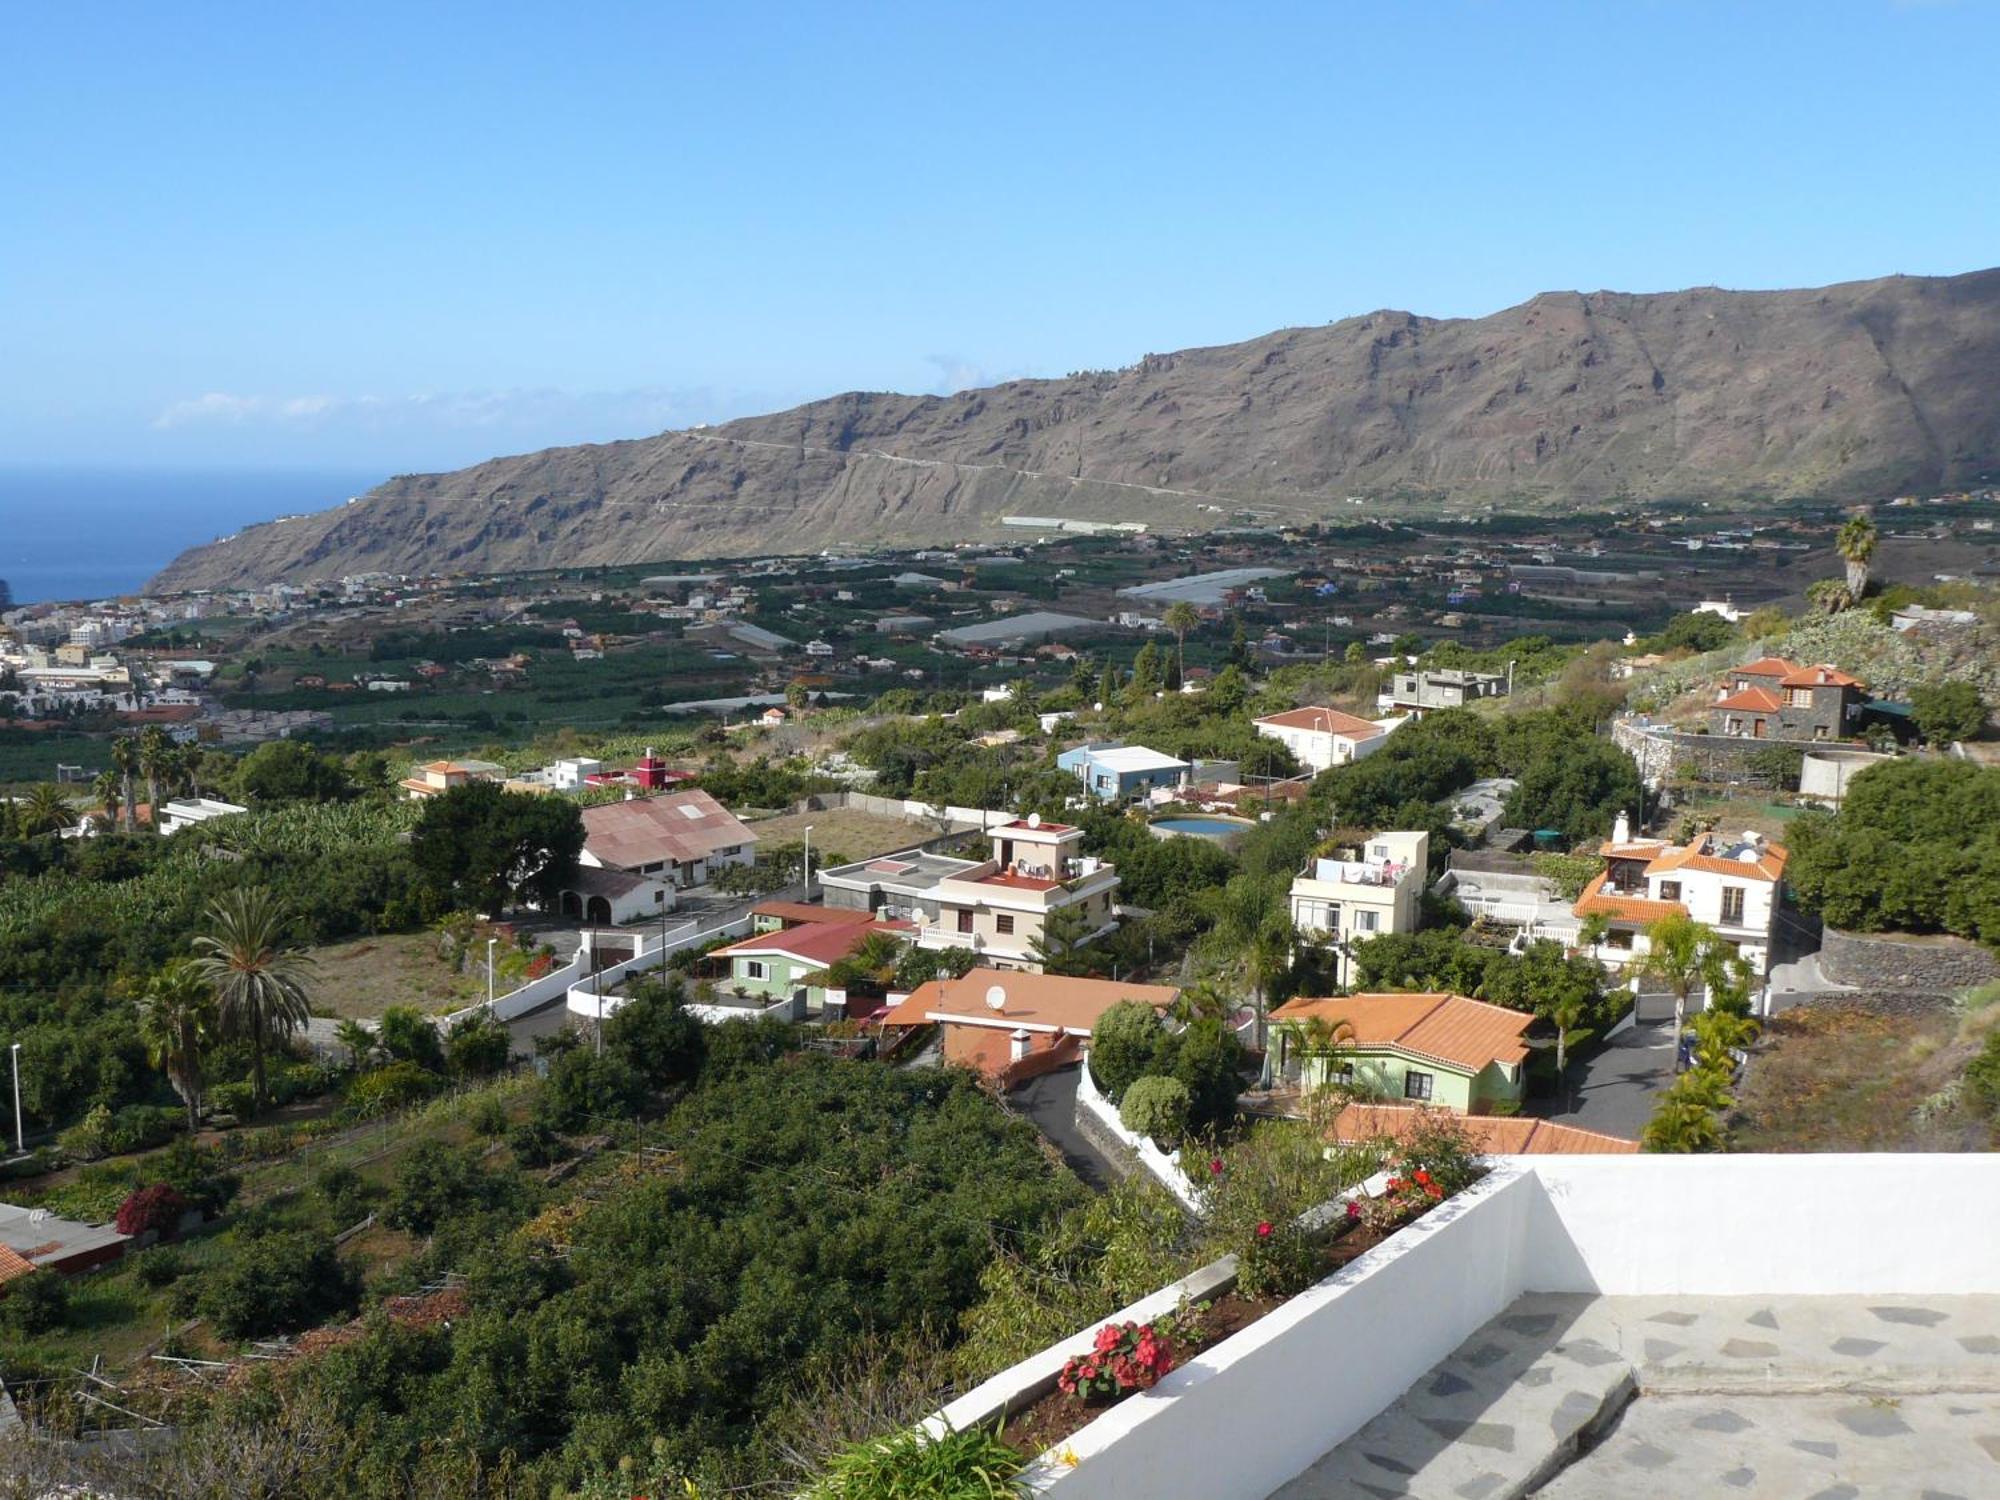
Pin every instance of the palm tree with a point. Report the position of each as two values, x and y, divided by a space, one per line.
155 751
44 810
1592 931
1180 618
125 757
1829 596
1566 1011
1681 953
357 1039
1688 1117
176 1020
1267 958
259 978
1855 542
108 789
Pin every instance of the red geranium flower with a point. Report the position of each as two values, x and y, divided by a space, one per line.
1215 1166
1264 1230
1353 1209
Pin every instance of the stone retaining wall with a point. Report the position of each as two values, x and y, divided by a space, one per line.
1878 961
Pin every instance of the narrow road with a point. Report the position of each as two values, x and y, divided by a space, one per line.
1050 1103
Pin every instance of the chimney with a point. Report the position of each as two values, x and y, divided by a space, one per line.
1621 830
1021 1039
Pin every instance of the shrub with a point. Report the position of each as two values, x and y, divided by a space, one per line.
233 1099
156 1210
1982 1075
89 1138
344 1193
197 1174
36 1303
161 1267
1947 711
1208 1061
432 1186
278 1283
478 1047
1123 1044
297 1081
1156 1108
535 1145
486 1115
1259 1191
395 1086
910 1465
408 1035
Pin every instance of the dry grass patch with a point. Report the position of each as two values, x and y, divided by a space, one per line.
846 831
365 976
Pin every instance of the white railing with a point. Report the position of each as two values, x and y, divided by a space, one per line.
585 998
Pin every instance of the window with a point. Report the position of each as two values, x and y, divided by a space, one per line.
1732 904
1344 1075
1800 697
965 919
1366 921
1004 923
753 968
1416 1085
1670 890
1618 940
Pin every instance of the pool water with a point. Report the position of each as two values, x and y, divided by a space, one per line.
1204 827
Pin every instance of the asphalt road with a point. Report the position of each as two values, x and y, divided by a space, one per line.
1050 1103
1614 1089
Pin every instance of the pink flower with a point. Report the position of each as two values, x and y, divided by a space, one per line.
1353 1209
1108 1338
1264 1230
1215 1166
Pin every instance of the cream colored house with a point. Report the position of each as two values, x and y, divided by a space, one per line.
997 907
1729 884
1362 893
1321 738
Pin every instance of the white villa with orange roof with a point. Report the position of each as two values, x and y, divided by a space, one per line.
1012 1026
1730 884
1321 738
440 776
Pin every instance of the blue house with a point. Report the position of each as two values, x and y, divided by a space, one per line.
1118 772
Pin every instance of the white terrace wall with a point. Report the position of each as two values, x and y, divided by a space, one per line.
1250 1413
584 989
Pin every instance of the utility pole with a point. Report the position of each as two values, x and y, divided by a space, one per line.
809 863
489 972
20 1141
597 978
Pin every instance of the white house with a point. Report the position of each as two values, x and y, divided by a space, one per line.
682 837
1729 884
1355 895
1321 738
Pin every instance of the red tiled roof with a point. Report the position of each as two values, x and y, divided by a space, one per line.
822 943
1701 855
1820 676
681 827
1492 1135
1451 1029
792 913
1038 1001
1640 909
1766 666
1325 721
1754 700
13 1264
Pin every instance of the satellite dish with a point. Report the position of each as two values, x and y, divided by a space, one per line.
996 997
1034 820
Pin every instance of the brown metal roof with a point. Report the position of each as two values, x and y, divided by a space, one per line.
680 827
1491 1135
1325 721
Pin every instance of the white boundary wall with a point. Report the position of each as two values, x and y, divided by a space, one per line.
583 994
1250 1413
1165 1166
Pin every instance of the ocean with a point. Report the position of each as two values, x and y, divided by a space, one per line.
73 533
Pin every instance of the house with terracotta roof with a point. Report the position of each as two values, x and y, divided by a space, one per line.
792 962
682 837
774 916
1000 907
1427 1048
440 776
1733 884
1364 1121
1011 1026
1777 699
1321 738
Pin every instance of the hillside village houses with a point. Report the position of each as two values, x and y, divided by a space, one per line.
1322 738
1359 893
1424 690
440 776
1116 772
790 963
1776 699
1731 884
1010 1026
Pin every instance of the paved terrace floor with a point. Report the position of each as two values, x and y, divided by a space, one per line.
1833 1398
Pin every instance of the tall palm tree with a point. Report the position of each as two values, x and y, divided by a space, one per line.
155 752
1267 958
176 1022
1180 618
1855 542
259 978
109 790
45 809
1681 953
125 757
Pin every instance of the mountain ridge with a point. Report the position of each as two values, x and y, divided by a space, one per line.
1843 392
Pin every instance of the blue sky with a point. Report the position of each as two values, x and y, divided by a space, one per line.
411 236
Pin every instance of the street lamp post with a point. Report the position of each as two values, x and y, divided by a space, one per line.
809 862
489 971
20 1141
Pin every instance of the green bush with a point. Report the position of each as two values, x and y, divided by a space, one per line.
1123 1045
233 1099
478 1047
1156 1108
344 1193
299 1080
487 1115
278 1283
534 1144
972 1464
444 1183
1982 1075
161 1267
36 1303
408 1035
197 1173
392 1087
133 1128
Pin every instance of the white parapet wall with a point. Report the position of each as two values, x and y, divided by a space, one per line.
1165 1166
1253 1411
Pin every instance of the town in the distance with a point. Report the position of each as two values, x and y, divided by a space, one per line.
414 987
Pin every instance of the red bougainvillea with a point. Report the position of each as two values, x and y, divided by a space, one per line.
158 1208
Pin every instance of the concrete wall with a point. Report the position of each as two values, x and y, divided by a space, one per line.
1163 1166
1873 960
